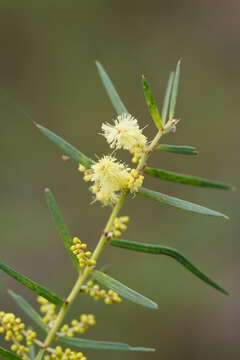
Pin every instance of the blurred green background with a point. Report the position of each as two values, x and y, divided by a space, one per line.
47 67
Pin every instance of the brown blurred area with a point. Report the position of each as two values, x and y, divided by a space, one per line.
48 75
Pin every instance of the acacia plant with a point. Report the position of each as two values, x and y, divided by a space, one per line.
112 184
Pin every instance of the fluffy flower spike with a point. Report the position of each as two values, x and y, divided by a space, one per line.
109 177
125 134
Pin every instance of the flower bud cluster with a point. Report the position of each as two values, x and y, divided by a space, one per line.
119 226
135 180
14 330
87 173
94 290
78 327
60 354
84 257
48 309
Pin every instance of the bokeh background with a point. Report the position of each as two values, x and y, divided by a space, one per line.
48 75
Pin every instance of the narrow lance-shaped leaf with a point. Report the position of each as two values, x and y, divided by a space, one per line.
151 104
178 203
185 179
123 290
32 285
32 352
174 92
6 354
167 97
67 148
178 149
164 250
111 91
60 225
101 345
28 309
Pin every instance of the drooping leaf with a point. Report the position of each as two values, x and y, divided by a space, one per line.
177 149
60 225
111 91
123 290
32 285
6 354
167 97
28 309
178 203
101 345
185 179
67 148
165 250
152 107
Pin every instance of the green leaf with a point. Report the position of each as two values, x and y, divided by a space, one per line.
164 250
28 309
151 104
32 285
167 97
185 179
67 148
123 290
178 149
101 345
174 92
178 203
60 225
8 355
32 352
111 91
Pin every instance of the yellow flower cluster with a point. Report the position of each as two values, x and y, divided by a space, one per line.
109 176
48 309
135 181
84 257
60 354
119 226
125 134
110 296
14 330
78 327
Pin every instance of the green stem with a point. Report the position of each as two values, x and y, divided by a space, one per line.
99 248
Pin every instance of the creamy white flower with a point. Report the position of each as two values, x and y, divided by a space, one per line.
109 177
125 134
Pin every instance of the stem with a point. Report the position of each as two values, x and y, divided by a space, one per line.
99 248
